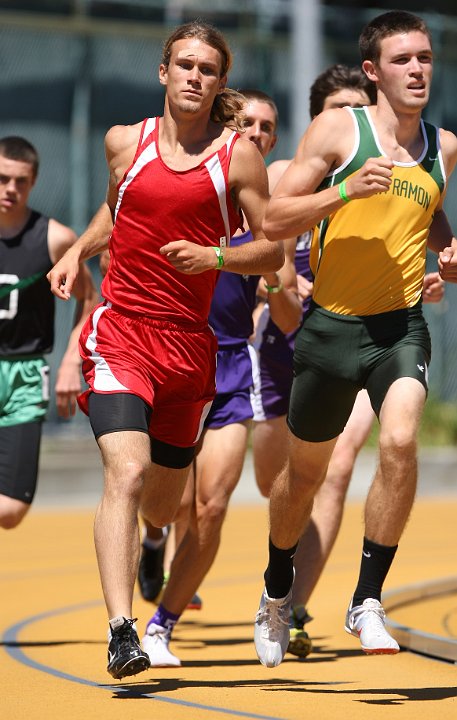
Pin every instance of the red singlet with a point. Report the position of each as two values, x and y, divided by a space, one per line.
157 205
151 337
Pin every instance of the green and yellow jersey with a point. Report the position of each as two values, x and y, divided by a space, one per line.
368 257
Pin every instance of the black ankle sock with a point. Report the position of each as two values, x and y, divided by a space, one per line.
279 574
375 564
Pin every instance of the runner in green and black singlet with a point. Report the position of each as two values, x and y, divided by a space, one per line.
373 182
29 246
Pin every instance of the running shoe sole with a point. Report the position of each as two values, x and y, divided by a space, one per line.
372 651
131 667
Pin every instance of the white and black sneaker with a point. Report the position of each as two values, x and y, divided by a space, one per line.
367 622
125 656
150 572
271 629
156 641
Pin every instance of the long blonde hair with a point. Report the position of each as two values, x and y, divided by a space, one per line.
228 105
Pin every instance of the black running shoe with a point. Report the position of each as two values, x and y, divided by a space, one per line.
150 572
125 656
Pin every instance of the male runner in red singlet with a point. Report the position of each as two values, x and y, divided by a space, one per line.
177 186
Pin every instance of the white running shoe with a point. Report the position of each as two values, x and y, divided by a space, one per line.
156 640
271 629
367 622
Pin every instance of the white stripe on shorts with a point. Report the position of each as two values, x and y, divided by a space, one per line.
104 379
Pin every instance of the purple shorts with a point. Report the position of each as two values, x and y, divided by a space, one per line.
272 389
236 368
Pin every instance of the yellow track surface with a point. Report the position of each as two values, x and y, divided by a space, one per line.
53 631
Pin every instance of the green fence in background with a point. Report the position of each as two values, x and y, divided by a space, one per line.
68 73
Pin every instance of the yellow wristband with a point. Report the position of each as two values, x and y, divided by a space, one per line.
342 192
220 257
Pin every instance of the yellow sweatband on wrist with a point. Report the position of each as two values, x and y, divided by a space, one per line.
342 191
220 257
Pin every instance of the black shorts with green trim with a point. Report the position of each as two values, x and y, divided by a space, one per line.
338 355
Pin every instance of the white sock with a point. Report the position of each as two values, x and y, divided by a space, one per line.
115 623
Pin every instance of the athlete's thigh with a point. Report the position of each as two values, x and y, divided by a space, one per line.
326 376
187 499
360 422
117 412
320 405
402 409
19 455
269 445
162 491
396 345
347 448
308 461
404 360
219 462
125 453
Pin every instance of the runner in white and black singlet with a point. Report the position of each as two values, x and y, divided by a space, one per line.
30 244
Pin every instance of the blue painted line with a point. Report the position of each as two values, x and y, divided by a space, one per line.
212 708
12 647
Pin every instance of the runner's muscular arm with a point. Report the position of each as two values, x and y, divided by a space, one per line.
440 234
275 172
295 207
119 149
68 380
104 262
285 306
248 180
95 238
441 239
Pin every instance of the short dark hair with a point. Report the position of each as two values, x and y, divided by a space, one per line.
260 96
338 77
385 25
18 148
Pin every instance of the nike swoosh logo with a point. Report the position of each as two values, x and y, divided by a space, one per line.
367 554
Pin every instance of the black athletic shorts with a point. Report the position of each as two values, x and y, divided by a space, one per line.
338 355
116 412
19 454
